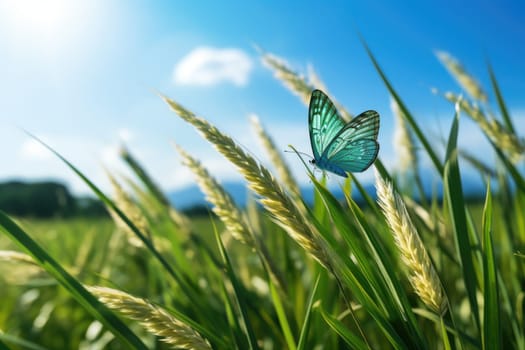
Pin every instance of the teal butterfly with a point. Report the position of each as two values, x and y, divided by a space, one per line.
341 147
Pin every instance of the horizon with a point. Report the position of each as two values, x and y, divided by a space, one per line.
80 77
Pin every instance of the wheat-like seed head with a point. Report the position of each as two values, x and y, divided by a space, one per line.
223 204
17 268
503 138
433 223
12 255
229 213
299 84
130 209
465 80
292 80
143 175
280 165
423 277
403 140
261 181
182 222
154 318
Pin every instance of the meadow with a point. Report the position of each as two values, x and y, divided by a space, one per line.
393 273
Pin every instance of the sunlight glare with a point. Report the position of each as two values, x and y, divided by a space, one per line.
45 26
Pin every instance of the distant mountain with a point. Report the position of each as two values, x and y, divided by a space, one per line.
191 196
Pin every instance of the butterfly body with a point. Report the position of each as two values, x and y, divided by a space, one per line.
341 147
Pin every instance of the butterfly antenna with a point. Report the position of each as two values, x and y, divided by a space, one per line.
298 152
300 157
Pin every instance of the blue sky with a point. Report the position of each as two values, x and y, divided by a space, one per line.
82 74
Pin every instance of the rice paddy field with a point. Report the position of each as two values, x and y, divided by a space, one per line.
392 273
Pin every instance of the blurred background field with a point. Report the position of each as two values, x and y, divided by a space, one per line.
110 237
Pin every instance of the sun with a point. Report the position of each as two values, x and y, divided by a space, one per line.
44 26
34 17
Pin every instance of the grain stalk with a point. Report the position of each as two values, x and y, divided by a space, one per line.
495 131
275 156
14 256
299 84
228 212
223 205
261 181
154 318
403 141
182 222
131 210
464 79
423 276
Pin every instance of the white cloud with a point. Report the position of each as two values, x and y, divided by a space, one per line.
125 135
32 149
110 154
206 66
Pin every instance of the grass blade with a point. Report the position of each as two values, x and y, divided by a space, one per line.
144 177
3 346
301 345
419 133
453 193
183 283
367 279
75 288
22 343
499 97
518 178
444 335
491 313
281 315
341 329
238 295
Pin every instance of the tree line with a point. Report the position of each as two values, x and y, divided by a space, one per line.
45 199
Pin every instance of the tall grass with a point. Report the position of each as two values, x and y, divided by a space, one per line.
396 273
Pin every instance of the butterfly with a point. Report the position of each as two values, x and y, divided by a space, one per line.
341 147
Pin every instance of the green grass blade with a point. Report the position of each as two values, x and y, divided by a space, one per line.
341 329
419 133
238 295
366 274
518 178
473 342
372 205
499 97
491 313
3 346
394 295
183 282
21 343
444 335
301 345
453 193
483 168
144 177
75 288
281 315
236 335
364 278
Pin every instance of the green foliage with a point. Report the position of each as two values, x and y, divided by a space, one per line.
46 199
397 274
39 199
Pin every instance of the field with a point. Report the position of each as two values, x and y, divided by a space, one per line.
281 273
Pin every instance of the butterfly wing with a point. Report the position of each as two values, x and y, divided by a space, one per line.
354 148
324 122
